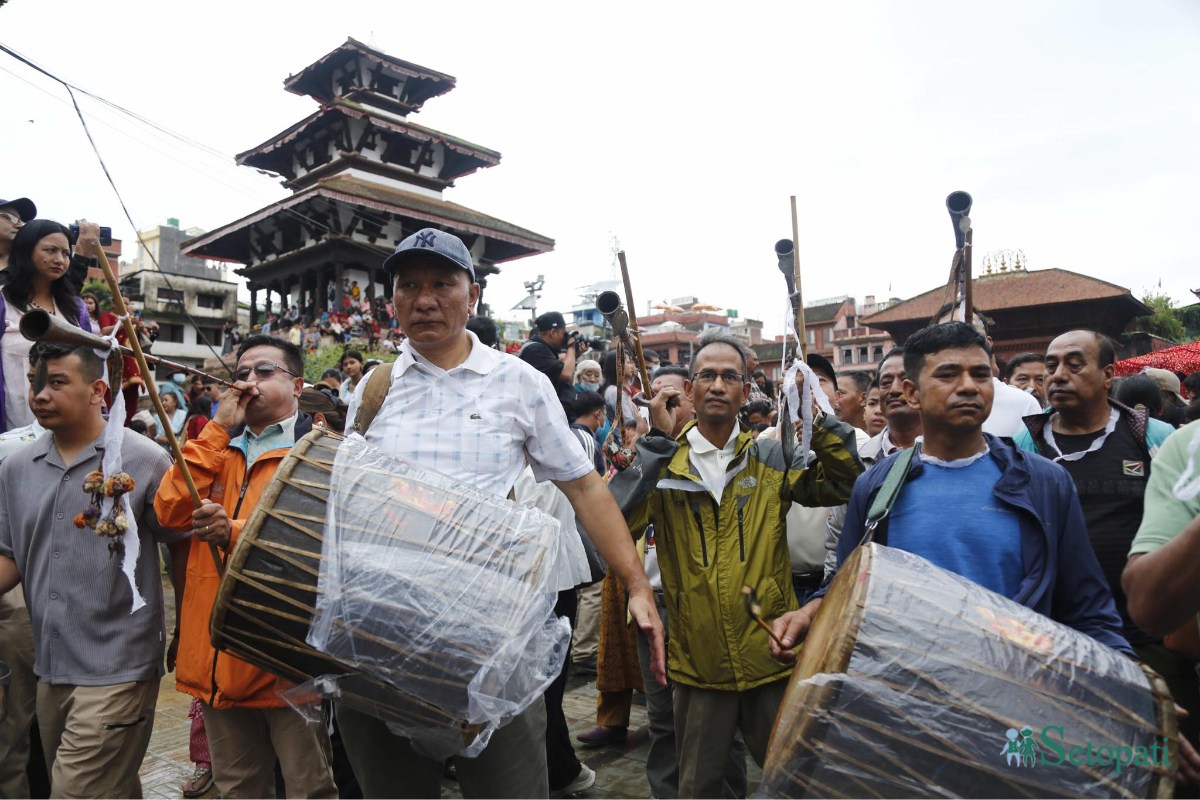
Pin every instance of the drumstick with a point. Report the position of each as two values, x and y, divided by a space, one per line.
750 598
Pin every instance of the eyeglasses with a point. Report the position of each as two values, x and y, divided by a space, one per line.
709 376
11 217
262 372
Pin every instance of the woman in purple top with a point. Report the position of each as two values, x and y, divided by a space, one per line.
38 277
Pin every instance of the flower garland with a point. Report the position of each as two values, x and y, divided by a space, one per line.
116 523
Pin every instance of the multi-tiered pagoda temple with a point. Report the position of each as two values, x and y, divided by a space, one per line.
363 176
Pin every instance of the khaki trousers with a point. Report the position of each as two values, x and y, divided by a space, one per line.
705 723
244 743
16 652
585 642
95 737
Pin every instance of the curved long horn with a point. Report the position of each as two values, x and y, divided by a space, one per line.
959 206
785 253
39 326
609 304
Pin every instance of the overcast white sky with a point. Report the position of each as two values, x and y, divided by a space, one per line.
681 129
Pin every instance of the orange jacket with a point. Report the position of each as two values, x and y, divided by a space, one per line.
220 474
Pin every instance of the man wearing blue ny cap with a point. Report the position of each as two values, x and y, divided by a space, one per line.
474 414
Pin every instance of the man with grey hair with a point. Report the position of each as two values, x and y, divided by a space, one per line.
718 498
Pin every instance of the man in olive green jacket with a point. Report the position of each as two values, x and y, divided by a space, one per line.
718 501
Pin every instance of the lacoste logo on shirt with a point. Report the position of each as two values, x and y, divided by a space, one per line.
475 416
1133 469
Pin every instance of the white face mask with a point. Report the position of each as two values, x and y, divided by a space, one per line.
591 387
178 377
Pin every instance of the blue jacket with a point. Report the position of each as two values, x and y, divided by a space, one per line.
1062 579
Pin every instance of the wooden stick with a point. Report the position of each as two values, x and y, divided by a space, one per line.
755 611
152 389
634 333
966 266
800 334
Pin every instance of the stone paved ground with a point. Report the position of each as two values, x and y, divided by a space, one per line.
620 771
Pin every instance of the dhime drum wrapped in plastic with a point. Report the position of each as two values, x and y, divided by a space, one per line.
914 682
440 592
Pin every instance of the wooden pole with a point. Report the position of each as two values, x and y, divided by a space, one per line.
800 333
136 346
633 328
968 307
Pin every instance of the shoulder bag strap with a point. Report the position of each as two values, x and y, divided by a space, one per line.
374 393
886 497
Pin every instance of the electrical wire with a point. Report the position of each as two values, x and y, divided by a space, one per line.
364 213
120 199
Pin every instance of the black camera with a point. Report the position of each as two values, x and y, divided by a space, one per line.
105 234
583 343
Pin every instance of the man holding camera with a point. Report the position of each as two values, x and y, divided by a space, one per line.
552 352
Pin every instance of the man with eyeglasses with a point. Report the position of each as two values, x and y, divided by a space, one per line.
718 498
13 216
232 461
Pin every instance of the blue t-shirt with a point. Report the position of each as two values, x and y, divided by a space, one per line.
950 516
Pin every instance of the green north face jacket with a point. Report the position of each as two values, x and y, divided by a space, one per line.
707 553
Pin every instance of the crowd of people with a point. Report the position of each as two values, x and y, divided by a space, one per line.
356 319
1043 479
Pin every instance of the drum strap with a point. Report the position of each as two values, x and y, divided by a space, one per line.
886 497
374 393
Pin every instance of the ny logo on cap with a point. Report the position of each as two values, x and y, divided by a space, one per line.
425 239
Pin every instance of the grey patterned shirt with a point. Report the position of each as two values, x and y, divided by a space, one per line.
78 598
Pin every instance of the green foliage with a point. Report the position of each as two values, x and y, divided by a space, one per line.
1164 322
330 355
102 292
1190 317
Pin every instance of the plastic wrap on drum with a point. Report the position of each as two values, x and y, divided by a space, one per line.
439 591
925 684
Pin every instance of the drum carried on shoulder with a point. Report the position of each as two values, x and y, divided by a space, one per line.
267 600
407 596
914 682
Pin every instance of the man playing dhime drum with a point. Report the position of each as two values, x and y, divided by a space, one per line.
462 409
718 500
975 505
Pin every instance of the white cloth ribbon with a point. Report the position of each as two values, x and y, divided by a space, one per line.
114 435
800 402
1096 445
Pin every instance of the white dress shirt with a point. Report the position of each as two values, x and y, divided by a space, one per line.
476 422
